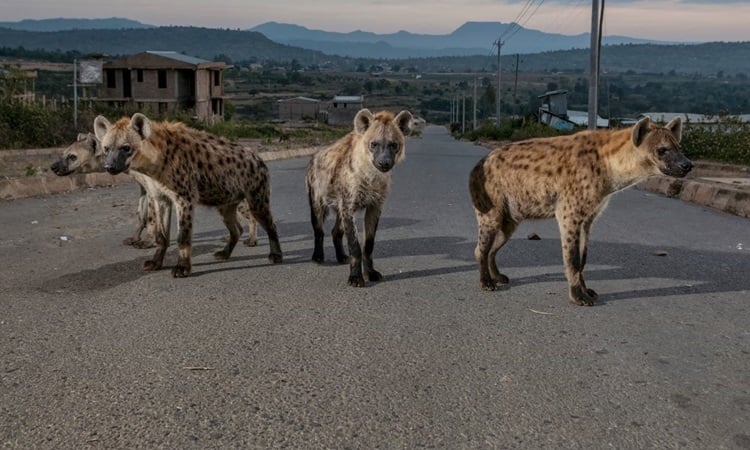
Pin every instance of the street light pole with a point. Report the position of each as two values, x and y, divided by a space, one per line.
497 114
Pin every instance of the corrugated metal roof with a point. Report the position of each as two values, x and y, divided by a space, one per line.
306 99
179 57
348 99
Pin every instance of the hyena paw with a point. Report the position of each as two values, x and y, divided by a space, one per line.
580 296
592 293
151 265
222 255
318 257
275 258
128 241
250 242
374 275
487 284
356 281
181 270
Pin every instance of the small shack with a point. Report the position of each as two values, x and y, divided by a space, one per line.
343 109
298 109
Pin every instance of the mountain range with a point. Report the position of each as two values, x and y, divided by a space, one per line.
243 46
471 38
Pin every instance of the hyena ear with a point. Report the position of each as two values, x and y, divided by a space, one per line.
362 121
92 142
141 125
101 125
675 126
640 130
404 121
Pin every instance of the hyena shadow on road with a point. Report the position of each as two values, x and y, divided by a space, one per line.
107 276
696 271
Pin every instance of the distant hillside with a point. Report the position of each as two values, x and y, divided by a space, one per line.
205 43
246 46
472 38
60 24
710 59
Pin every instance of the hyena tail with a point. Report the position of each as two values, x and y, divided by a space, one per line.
479 197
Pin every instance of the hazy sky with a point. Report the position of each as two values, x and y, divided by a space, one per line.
672 20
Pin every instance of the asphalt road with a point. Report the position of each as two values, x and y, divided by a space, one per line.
95 353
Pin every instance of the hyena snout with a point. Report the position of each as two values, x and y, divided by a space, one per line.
383 162
116 162
678 166
58 168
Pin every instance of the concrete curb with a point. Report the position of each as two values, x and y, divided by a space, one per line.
45 184
721 196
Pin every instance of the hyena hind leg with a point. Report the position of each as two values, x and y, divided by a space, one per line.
229 217
491 236
261 211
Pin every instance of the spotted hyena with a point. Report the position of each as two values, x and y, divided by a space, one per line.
570 178
351 175
85 155
189 167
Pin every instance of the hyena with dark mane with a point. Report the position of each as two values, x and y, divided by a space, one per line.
570 178
85 155
351 175
188 167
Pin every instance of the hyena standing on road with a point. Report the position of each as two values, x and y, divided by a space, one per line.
570 178
354 174
189 166
85 155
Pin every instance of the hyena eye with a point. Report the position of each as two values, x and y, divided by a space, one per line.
126 149
72 157
661 151
373 145
392 146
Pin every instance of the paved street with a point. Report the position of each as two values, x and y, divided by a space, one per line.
95 353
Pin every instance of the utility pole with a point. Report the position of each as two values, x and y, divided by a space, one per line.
475 103
463 115
499 90
594 65
75 94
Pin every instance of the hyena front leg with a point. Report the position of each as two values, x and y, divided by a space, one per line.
161 217
573 253
142 219
355 251
229 217
584 246
317 217
337 233
184 210
372 217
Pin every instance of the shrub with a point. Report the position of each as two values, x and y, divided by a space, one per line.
728 141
